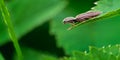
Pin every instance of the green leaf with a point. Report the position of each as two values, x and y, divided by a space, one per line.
107 6
1 57
31 54
76 39
97 33
28 14
82 56
97 54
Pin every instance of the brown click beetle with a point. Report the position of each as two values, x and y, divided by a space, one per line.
81 17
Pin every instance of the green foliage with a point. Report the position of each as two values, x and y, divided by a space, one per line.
74 39
105 53
1 57
29 17
100 31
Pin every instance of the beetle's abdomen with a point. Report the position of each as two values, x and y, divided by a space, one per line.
87 15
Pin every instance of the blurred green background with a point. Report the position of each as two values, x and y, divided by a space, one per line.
43 36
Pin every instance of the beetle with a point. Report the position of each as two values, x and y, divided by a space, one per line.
81 17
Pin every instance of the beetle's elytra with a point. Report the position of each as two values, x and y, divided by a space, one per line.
81 17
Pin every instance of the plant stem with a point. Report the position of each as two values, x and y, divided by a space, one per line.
7 20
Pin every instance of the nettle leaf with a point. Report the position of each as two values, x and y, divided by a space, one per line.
1 57
97 33
97 54
28 14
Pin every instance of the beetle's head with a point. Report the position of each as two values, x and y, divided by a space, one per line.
69 20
